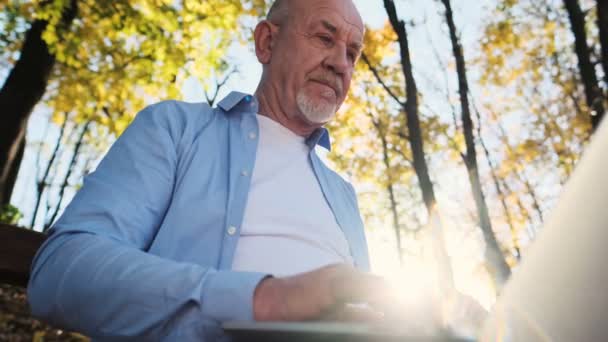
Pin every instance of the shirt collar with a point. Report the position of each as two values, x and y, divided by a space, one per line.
236 99
319 137
249 103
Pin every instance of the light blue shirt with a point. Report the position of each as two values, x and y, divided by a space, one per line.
144 250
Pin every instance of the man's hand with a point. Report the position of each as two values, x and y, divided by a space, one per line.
319 294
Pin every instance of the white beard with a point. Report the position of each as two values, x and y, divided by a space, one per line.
317 112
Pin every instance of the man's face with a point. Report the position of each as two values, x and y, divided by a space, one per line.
314 56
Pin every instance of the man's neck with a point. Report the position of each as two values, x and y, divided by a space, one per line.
270 107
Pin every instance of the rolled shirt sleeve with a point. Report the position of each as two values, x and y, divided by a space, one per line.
93 274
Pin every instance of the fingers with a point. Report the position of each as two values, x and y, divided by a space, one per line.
348 285
358 287
353 313
321 293
308 295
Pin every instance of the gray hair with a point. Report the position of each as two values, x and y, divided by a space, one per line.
278 11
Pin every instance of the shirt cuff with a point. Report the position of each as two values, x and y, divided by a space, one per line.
228 295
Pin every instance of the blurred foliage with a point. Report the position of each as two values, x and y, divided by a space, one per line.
10 214
118 56
529 76
527 54
528 103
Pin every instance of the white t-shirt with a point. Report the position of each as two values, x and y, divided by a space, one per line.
288 227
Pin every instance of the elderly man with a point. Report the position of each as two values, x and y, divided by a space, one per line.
200 215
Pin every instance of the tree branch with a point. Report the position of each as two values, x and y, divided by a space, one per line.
379 79
44 180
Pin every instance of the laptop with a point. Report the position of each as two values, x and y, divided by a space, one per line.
560 290
558 293
327 332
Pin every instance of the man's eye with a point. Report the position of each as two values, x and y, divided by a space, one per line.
326 40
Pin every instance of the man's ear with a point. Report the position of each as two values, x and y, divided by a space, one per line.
264 41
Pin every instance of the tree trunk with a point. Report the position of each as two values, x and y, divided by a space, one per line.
22 90
499 189
499 268
11 177
602 25
68 174
390 187
417 146
503 201
593 93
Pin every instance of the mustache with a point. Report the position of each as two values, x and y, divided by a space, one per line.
332 81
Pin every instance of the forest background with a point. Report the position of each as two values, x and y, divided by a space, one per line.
464 121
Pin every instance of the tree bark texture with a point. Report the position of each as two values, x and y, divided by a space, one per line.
593 92
22 90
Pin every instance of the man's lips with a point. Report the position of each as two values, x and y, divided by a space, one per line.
329 85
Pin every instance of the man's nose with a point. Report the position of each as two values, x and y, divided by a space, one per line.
338 61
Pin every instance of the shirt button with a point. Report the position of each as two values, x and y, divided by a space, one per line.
244 173
231 230
252 135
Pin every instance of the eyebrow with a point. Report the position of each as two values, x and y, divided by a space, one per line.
329 26
334 30
356 46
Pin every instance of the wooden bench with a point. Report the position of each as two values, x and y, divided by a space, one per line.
17 249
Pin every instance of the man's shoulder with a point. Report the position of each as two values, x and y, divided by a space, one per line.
179 115
235 102
181 122
174 109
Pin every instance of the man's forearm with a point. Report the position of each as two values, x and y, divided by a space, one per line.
106 289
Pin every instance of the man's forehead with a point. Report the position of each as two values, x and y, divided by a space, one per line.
333 20
344 8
